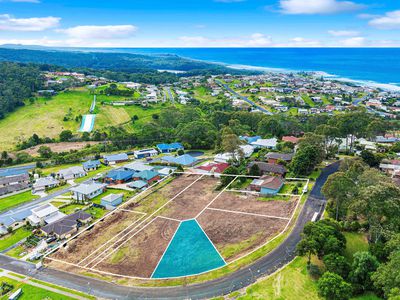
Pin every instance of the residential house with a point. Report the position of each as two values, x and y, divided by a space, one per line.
265 143
85 192
45 214
291 139
113 159
68 225
245 151
10 184
267 185
250 139
390 167
111 201
166 171
91 165
213 168
267 168
144 153
138 184
275 157
71 173
168 148
147 176
119 176
184 160
137 167
44 183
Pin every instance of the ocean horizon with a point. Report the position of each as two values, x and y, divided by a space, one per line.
378 67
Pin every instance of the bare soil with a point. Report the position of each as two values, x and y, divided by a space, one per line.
60 147
193 200
91 240
246 202
140 255
234 235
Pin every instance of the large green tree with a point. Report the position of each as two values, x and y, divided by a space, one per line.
333 287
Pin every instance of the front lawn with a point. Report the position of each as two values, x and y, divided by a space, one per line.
71 208
15 200
13 238
354 242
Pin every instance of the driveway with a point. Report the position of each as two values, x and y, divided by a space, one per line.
268 264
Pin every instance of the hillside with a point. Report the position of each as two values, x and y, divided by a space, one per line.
45 117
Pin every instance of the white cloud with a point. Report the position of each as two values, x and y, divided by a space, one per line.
100 32
391 20
9 23
343 33
254 40
317 6
357 41
303 42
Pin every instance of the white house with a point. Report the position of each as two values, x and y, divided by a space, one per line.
72 173
265 143
43 183
84 192
45 214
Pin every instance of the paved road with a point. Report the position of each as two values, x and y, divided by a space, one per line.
282 255
171 97
265 111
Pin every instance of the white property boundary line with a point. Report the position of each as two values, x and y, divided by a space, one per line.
247 213
165 251
105 216
147 218
229 263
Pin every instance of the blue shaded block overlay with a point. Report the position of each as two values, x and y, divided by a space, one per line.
190 252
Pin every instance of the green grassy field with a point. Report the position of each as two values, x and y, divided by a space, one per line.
15 200
13 238
30 292
202 93
45 116
293 282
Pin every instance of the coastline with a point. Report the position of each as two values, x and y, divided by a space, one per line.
366 83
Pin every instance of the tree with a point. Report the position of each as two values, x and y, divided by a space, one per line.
230 144
387 276
65 135
336 263
333 287
340 190
225 180
371 159
321 238
304 161
255 170
364 264
4 155
198 134
45 152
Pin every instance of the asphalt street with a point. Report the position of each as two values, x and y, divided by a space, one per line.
274 260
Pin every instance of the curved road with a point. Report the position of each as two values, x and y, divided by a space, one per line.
280 256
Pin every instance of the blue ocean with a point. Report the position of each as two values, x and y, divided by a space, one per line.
380 65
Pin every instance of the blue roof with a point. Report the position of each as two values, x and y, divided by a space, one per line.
120 174
138 184
91 164
250 139
185 160
171 146
146 174
16 170
116 157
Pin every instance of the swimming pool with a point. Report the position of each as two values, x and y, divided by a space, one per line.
190 252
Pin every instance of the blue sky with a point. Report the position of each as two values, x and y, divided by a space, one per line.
201 23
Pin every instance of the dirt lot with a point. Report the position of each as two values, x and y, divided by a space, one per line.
91 240
235 234
140 255
246 202
161 194
60 147
193 200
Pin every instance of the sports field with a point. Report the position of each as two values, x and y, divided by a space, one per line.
185 225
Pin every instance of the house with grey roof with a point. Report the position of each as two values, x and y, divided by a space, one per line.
67 225
10 184
111 201
71 173
113 159
85 192
44 214
44 183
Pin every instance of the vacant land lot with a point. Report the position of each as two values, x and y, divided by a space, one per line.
9 202
193 200
132 241
141 252
90 243
250 203
60 147
236 234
